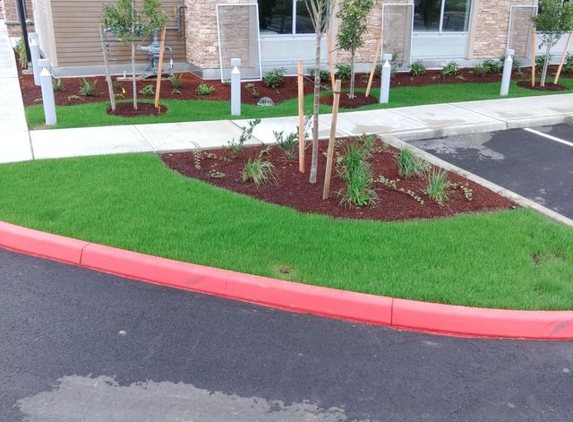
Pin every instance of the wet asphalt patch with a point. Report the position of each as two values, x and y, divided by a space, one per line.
536 163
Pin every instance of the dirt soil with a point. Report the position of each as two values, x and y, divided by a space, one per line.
291 188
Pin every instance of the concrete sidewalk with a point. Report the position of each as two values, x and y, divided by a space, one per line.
410 123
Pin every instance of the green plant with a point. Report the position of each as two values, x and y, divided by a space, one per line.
117 85
258 171
88 89
204 89
479 70
274 78
396 61
492 66
450 69
57 85
147 90
197 155
354 170
343 71
20 48
437 185
409 164
393 184
540 61
323 74
74 97
417 68
236 147
568 64
175 80
288 145
251 88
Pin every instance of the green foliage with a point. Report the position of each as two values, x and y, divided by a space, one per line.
175 80
204 89
323 74
147 90
57 85
417 68
568 65
437 187
274 78
479 70
236 147
541 59
492 65
343 71
450 69
354 169
87 88
20 48
258 171
129 23
288 145
251 88
410 164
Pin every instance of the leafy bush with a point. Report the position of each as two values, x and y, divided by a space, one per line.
237 147
343 71
437 187
88 89
354 169
147 90
492 66
57 85
450 69
288 145
274 78
568 65
258 171
20 48
417 68
540 61
479 70
175 80
409 164
251 88
204 89
324 75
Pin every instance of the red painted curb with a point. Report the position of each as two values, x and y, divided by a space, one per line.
297 297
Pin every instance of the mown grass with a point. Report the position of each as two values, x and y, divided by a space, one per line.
512 259
94 114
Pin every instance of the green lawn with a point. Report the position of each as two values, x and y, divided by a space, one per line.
94 114
513 259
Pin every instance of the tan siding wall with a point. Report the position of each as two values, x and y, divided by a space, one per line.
76 28
44 28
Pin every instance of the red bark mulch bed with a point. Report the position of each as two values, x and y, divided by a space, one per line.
292 188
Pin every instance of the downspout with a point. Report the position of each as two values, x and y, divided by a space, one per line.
22 15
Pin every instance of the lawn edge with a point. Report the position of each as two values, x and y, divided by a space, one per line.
290 296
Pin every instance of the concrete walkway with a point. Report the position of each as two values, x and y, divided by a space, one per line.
410 123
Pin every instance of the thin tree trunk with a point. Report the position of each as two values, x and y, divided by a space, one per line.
316 109
133 84
546 63
352 74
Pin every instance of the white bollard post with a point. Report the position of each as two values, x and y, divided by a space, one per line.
235 88
386 73
47 92
35 55
507 67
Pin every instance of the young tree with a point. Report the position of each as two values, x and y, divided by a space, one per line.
320 12
554 20
129 24
352 15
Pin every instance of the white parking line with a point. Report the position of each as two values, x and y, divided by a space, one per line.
553 138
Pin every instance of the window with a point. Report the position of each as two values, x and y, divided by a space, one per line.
284 17
441 15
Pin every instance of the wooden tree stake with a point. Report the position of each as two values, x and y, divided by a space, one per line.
330 154
331 66
301 126
374 63
533 58
563 57
107 75
160 67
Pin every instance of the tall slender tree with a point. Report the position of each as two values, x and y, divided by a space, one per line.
129 24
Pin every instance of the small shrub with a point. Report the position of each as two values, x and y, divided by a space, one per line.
568 65
20 48
450 69
204 89
417 68
437 187
492 66
396 61
258 171
197 155
254 91
324 75
409 164
288 145
343 71
354 169
117 85
236 147
480 70
175 80
540 61
88 89
274 78
57 85
147 90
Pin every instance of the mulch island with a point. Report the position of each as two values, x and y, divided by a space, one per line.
396 198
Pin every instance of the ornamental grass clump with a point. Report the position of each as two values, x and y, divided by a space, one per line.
258 171
354 169
410 165
438 186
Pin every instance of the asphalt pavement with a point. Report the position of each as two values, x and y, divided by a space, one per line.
81 345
